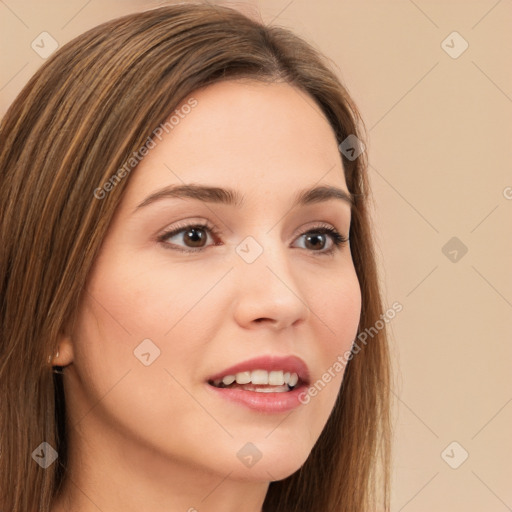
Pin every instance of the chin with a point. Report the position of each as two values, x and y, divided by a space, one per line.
278 465
266 472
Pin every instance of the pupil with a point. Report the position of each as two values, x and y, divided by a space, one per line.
309 238
196 236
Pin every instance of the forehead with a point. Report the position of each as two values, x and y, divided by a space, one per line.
259 138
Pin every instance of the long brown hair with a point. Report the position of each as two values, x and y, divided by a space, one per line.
79 119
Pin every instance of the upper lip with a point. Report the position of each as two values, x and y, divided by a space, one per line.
292 364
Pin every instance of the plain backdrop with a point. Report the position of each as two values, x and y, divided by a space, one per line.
433 82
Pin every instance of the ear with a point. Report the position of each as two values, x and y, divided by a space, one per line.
64 351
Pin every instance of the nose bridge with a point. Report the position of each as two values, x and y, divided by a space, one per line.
268 288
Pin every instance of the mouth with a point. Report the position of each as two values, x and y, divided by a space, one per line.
260 381
270 384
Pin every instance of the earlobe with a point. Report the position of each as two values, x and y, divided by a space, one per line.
64 352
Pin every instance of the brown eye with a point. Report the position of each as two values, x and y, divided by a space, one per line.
187 238
195 237
315 241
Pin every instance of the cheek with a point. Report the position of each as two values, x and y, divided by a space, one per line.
336 309
117 317
133 299
132 309
336 305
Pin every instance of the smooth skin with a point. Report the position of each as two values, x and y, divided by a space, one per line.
155 438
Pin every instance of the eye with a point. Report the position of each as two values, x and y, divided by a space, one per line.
195 236
317 237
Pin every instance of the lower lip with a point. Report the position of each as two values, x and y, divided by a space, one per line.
260 401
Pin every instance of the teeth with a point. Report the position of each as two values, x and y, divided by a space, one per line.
260 377
228 379
276 378
273 389
243 377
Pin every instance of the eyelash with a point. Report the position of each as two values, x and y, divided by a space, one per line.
338 239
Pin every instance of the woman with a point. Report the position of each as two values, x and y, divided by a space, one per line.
186 264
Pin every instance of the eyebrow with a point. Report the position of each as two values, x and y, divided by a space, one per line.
210 194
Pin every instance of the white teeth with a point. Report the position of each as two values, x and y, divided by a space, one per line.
269 389
260 377
243 377
228 379
276 378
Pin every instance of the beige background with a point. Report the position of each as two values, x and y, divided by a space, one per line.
440 150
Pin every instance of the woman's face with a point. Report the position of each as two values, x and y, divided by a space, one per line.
262 280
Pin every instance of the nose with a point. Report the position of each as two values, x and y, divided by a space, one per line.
269 293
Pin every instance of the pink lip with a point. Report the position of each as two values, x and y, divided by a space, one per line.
262 402
290 364
265 402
